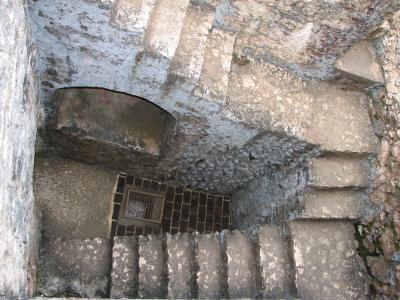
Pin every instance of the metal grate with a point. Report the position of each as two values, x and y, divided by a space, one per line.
142 205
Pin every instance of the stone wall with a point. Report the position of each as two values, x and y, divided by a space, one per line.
268 199
18 119
75 198
379 236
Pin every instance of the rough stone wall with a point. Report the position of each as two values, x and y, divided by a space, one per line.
75 198
268 199
18 118
379 236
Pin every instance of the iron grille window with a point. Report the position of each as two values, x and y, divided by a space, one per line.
143 205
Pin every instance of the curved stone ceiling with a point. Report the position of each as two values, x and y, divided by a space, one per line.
239 117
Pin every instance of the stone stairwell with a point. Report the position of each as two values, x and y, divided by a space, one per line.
312 256
183 48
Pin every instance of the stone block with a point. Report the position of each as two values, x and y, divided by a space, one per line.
328 172
274 263
216 64
180 266
132 15
152 278
75 198
361 63
72 266
333 204
210 275
164 29
240 252
326 261
124 273
189 55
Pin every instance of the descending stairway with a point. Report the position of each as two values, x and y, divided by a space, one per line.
312 257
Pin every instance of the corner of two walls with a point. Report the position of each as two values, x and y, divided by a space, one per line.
268 199
19 216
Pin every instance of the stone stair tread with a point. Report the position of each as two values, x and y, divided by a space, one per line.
210 267
180 268
188 58
332 204
152 281
165 25
124 273
241 265
330 172
326 261
274 262
216 67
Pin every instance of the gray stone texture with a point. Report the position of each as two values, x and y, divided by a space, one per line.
180 265
326 263
124 272
268 199
241 260
275 265
339 172
211 279
19 226
74 267
152 276
333 204
75 198
362 63
254 103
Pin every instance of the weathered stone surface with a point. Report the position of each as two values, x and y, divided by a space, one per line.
112 118
265 95
75 198
327 265
210 280
274 263
152 276
308 35
240 251
216 65
124 272
361 62
19 217
340 204
77 267
180 264
132 15
189 55
163 33
338 172
268 199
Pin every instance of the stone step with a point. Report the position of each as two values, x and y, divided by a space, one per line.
332 204
211 275
274 262
74 266
216 67
361 63
326 262
158 47
124 270
165 25
188 58
152 279
132 15
180 263
338 172
241 264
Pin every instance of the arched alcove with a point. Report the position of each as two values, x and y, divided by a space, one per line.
103 126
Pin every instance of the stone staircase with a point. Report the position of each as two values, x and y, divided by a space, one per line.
312 256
